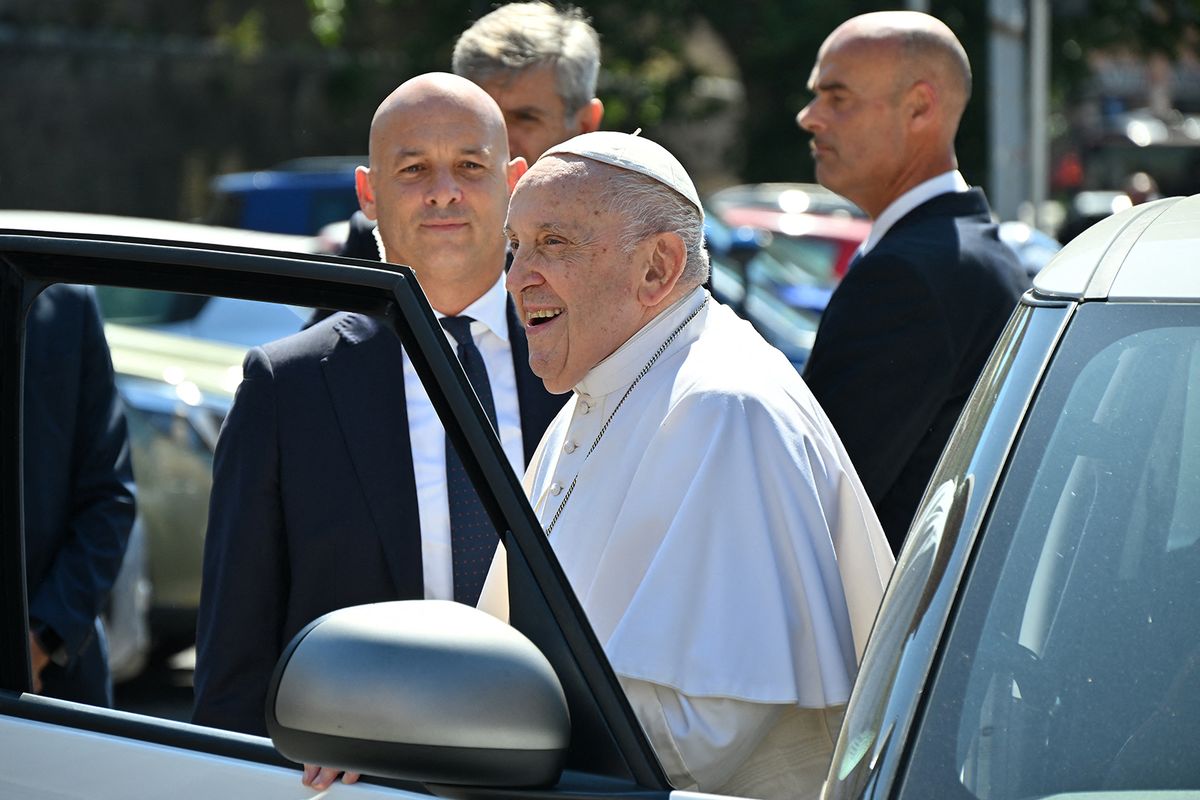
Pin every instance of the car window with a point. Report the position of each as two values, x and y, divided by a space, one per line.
176 381
1073 662
806 260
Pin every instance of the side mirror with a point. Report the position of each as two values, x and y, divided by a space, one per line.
422 690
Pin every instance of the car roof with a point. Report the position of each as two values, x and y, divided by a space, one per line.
795 197
828 226
1145 253
114 226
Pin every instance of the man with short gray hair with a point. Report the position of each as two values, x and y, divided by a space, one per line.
695 494
540 64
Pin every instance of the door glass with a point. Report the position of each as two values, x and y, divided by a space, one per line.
1074 661
176 362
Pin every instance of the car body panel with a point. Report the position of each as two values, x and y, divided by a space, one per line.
107 767
198 370
1070 274
1151 269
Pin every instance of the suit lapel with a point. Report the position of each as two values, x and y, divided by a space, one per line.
537 406
365 377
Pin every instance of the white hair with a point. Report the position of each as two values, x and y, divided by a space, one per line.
649 207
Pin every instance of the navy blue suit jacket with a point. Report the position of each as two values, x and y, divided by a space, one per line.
903 340
79 504
314 505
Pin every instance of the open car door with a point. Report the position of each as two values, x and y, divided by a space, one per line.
52 748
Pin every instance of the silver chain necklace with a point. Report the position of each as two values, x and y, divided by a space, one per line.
603 428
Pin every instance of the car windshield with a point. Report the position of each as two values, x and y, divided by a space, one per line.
1073 662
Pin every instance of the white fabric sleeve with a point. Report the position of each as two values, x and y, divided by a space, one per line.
700 741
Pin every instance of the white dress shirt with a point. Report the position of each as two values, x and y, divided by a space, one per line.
428 436
945 183
726 554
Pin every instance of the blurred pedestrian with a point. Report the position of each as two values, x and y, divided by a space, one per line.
333 482
908 330
79 497
698 500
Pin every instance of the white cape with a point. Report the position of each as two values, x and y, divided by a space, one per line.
717 537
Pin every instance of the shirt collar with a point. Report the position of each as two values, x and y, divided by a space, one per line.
945 183
619 369
491 309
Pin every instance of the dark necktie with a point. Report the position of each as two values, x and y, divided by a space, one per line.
472 536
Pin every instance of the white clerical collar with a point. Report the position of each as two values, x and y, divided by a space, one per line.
945 183
491 309
619 369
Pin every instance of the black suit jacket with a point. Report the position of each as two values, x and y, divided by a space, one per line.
78 488
904 339
314 505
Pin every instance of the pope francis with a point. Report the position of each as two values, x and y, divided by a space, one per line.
701 504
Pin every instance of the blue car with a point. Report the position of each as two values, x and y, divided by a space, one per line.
300 196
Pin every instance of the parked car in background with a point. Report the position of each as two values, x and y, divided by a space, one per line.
1039 636
178 361
790 198
746 277
1034 248
297 197
820 229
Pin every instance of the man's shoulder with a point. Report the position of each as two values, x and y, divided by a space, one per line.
950 230
323 339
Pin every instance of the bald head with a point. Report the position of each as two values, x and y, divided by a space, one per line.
923 49
889 89
438 184
439 94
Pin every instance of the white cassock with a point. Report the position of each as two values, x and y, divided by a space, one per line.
722 546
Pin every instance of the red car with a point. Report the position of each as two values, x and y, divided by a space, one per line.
821 228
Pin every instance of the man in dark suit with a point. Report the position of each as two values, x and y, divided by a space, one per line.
78 493
907 332
333 484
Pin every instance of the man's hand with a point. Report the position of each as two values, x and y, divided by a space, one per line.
38 659
321 778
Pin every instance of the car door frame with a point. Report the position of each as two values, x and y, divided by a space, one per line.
609 752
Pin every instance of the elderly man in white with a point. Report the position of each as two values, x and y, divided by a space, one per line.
697 497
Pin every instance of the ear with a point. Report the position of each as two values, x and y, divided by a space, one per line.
588 118
663 266
516 168
920 105
366 194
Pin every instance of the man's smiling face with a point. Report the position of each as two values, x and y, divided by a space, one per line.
574 285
